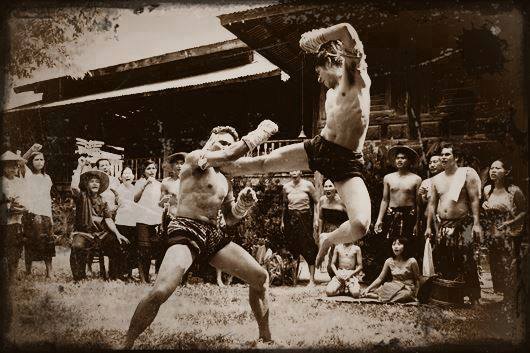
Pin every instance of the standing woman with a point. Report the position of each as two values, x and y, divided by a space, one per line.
505 208
40 243
332 213
126 216
147 196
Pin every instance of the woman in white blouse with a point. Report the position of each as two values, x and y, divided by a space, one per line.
38 222
126 216
147 196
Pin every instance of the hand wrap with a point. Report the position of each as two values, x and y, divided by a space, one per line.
264 130
242 206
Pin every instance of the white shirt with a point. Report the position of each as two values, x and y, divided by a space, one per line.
148 210
13 188
126 214
38 188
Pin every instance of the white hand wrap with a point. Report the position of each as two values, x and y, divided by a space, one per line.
202 162
242 206
311 41
265 130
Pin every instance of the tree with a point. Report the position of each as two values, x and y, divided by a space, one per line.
48 37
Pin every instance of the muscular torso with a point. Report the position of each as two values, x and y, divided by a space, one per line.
298 195
347 256
201 193
347 115
447 208
402 189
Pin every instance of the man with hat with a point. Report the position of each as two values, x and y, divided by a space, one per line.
398 213
12 208
93 224
171 184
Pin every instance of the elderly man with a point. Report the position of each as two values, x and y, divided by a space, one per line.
299 197
94 228
193 235
455 199
398 213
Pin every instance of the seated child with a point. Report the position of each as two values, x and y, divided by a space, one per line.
346 264
405 277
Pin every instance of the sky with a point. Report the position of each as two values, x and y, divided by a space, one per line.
167 28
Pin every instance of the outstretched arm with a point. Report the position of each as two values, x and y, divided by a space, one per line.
204 159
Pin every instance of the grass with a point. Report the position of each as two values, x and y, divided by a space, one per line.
59 314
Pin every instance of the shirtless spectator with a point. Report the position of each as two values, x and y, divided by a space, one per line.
299 196
398 212
425 190
346 264
455 199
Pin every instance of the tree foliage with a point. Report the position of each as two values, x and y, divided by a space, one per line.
48 37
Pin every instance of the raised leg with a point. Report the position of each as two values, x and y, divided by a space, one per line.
176 262
283 159
234 260
355 196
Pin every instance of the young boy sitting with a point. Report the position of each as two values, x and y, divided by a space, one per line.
346 264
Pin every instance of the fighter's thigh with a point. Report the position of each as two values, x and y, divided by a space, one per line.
287 158
356 198
236 261
176 262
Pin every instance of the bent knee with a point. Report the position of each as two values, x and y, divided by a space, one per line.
261 280
360 225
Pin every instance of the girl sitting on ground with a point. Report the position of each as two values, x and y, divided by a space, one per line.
405 277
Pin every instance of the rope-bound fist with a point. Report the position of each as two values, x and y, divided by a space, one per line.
311 41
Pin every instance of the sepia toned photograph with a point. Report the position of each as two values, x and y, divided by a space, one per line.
234 175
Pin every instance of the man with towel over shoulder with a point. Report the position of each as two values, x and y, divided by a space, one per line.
455 200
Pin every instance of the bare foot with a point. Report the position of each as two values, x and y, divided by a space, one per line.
311 284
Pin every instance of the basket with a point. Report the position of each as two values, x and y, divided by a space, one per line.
447 292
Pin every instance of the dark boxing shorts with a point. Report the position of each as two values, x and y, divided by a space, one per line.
335 162
203 238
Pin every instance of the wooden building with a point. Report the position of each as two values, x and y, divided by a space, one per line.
154 106
457 69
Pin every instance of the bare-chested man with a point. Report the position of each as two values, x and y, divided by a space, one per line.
346 264
193 234
299 198
455 198
337 151
398 211
424 193
170 187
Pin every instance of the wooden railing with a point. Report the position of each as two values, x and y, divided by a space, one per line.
271 145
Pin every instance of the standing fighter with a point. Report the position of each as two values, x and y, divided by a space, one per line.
193 234
455 199
337 151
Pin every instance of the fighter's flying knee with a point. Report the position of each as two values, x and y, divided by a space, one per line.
261 281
